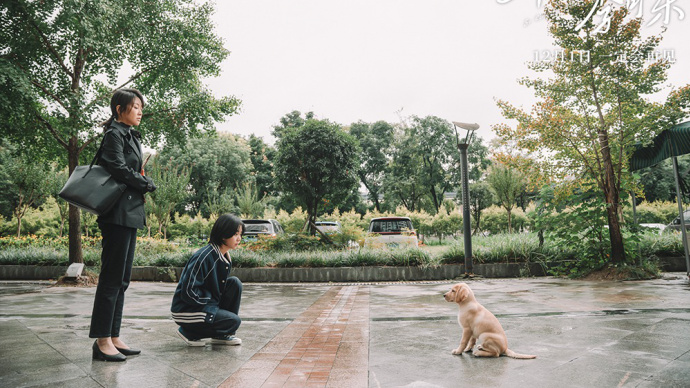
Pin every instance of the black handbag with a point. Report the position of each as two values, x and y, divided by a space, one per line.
92 188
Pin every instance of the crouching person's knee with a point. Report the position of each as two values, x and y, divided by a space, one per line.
235 282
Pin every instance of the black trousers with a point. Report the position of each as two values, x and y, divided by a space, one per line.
226 320
116 271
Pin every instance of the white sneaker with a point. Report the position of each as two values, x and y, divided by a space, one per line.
190 342
226 340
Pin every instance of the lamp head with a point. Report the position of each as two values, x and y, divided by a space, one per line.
470 131
467 126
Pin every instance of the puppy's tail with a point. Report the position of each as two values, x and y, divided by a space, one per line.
512 354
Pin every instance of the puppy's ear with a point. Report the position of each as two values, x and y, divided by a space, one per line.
461 294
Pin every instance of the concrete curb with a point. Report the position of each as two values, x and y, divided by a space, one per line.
329 274
332 274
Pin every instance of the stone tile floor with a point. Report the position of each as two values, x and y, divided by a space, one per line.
604 334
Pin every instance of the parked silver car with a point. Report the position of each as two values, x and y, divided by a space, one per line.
328 227
254 228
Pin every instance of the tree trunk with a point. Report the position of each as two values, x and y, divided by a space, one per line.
372 194
610 189
612 201
476 228
510 227
437 205
312 217
74 219
18 214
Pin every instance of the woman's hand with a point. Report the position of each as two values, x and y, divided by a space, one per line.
150 185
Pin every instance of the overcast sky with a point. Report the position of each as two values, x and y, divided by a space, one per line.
370 60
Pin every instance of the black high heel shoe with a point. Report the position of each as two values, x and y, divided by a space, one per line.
128 352
99 355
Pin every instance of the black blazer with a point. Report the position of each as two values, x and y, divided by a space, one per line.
122 156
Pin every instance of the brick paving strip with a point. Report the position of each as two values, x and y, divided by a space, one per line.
325 346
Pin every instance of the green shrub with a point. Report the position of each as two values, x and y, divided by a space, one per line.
33 256
287 242
42 241
642 248
291 222
185 227
661 212
495 220
166 259
349 234
247 259
501 248
667 244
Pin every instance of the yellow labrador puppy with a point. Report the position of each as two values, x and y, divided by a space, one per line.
478 324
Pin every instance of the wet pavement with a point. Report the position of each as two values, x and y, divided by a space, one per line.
585 334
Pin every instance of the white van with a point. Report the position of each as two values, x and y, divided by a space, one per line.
391 232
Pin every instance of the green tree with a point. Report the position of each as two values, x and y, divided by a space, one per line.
404 183
315 160
507 184
248 201
27 184
659 184
218 202
61 61
446 223
173 188
425 163
481 197
220 163
262 156
54 184
293 119
477 161
6 159
593 105
375 141
435 140
88 223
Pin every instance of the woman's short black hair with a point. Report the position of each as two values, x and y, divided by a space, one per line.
225 227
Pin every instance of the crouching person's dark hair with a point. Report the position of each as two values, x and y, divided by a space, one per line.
225 227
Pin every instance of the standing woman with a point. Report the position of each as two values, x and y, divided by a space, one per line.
121 155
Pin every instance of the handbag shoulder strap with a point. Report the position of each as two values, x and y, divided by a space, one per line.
100 149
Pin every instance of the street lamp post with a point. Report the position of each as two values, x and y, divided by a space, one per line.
467 228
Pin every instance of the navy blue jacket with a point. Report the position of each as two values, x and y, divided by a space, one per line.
122 156
201 286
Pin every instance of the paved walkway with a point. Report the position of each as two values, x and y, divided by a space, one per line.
325 345
604 334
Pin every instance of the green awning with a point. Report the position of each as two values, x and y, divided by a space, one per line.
669 143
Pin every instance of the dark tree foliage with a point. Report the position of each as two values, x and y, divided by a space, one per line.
375 142
61 60
315 161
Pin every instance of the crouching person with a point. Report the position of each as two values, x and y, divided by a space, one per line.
206 303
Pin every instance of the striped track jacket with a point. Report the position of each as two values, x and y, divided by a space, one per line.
201 285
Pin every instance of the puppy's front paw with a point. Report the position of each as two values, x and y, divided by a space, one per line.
457 351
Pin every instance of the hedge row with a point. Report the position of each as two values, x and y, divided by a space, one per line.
448 222
523 247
